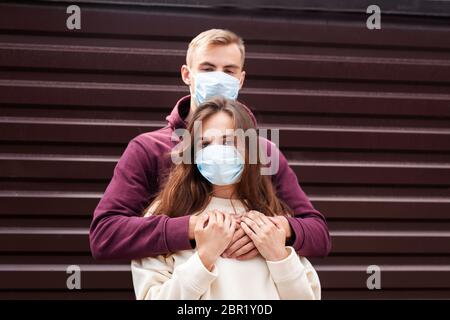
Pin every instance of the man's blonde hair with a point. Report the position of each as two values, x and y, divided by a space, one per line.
215 37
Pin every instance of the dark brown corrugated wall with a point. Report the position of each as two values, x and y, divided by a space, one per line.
364 118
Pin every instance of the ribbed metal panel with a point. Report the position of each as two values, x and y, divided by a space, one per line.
364 118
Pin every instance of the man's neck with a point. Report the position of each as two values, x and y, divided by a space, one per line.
191 112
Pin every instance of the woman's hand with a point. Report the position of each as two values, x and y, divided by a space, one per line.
213 233
267 234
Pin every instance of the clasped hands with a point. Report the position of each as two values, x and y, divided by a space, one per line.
239 236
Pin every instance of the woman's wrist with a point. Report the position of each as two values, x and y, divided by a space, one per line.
207 260
281 255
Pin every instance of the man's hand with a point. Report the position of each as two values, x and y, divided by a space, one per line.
241 246
192 222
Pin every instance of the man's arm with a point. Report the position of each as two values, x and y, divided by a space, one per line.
118 231
310 236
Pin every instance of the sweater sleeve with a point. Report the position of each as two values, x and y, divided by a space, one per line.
118 231
295 278
156 279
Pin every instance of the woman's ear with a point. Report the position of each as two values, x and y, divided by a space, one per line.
186 75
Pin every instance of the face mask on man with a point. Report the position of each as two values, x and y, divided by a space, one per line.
214 83
219 164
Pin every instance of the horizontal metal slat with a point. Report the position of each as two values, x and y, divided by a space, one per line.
103 21
106 132
101 168
76 240
401 242
118 95
167 60
358 207
53 277
61 204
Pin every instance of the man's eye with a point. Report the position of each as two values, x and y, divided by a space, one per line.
207 70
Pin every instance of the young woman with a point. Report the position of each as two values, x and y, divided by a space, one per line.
225 188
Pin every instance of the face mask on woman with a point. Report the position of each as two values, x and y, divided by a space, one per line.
219 164
215 83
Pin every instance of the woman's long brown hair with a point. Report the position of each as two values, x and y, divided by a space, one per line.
186 191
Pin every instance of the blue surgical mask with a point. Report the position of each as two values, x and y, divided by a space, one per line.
219 164
215 83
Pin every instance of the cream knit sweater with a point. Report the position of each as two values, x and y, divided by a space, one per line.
182 275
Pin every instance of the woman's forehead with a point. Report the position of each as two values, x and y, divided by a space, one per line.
217 125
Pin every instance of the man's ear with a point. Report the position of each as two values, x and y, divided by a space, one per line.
186 74
242 79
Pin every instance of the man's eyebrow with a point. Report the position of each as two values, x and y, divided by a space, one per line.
207 64
232 66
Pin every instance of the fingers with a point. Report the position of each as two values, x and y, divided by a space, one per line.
219 217
238 234
243 250
230 252
251 224
249 231
201 220
227 220
277 223
233 224
212 217
266 219
256 216
249 255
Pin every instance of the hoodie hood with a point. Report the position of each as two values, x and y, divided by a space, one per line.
176 118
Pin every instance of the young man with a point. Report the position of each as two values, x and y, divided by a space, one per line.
214 65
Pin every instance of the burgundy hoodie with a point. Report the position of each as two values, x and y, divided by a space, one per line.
118 230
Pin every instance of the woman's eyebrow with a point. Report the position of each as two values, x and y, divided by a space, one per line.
223 137
228 136
202 138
